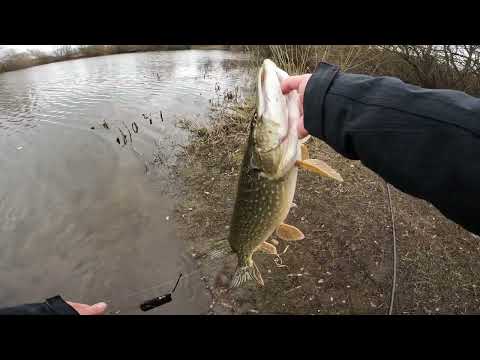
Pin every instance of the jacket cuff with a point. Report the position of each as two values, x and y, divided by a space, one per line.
314 98
59 307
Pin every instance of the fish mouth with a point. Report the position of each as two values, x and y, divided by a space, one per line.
275 128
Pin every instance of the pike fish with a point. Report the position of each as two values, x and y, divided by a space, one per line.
268 176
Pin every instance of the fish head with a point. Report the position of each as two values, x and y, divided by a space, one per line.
275 127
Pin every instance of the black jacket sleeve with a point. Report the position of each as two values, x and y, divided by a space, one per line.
424 142
53 306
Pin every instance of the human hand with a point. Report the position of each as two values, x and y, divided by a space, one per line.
84 309
298 82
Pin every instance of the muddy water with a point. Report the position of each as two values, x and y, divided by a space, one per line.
79 214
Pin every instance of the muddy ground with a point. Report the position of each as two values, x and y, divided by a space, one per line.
345 263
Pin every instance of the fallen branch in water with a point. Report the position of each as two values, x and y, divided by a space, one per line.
126 127
123 136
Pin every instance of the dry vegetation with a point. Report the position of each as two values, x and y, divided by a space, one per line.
344 266
430 66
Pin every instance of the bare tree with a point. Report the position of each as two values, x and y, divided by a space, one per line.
63 51
437 66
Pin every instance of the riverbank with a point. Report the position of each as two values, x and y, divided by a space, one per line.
17 61
345 264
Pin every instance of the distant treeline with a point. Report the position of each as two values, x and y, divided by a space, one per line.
430 66
15 61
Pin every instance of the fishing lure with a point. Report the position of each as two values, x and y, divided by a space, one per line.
160 300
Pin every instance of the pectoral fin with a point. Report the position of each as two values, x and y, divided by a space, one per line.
289 233
304 150
318 167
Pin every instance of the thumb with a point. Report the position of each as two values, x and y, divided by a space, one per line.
291 83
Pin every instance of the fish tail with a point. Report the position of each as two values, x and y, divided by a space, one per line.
246 273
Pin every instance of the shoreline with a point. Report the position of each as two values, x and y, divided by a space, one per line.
49 59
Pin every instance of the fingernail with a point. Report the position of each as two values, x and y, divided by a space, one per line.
100 306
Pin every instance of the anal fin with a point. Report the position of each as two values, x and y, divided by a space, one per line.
268 248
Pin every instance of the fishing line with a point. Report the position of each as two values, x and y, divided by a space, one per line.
394 281
175 287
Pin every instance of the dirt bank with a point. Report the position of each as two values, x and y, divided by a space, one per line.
345 264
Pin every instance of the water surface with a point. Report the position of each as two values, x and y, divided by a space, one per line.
79 215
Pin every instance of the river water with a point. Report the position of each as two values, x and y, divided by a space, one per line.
86 217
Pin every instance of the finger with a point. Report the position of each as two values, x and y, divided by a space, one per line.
84 309
80 308
302 132
292 83
300 105
97 309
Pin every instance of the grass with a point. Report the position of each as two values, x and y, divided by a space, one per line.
344 266
300 59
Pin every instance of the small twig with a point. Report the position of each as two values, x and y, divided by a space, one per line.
124 137
295 288
126 127
279 262
135 127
